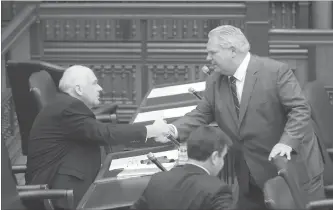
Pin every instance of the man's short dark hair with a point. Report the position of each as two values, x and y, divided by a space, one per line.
203 141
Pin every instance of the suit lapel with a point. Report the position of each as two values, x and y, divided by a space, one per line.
250 80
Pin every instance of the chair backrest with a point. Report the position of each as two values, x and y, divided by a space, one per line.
25 106
321 110
277 194
283 191
42 87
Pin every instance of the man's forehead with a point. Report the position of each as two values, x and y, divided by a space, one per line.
212 44
91 76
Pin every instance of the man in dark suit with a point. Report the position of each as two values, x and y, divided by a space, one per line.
65 139
194 185
259 103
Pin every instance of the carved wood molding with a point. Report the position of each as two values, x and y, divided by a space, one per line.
281 52
300 37
184 52
95 51
17 26
142 10
329 90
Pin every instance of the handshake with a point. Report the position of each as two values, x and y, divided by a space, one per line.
159 130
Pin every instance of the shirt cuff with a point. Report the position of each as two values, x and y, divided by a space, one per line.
174 131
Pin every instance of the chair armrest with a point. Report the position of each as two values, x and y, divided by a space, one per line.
330 152
32 187
17 169
107 118
105 109
329 188
320 204
49 194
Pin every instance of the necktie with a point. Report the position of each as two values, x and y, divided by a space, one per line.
234 93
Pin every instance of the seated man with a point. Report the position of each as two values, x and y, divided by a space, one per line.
65 139
194 185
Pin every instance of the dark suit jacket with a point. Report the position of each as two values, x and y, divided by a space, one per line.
273 110
187 187
64 145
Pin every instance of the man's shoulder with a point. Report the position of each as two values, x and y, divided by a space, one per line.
62 103
211 183
269 64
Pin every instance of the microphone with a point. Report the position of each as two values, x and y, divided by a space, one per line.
153 159
207 70
195 93
173 140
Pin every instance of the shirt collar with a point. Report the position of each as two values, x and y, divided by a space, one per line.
241 70
199 167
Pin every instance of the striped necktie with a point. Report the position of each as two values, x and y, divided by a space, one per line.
234 93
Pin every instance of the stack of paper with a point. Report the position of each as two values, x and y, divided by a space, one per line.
132 166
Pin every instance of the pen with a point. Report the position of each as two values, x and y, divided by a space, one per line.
173 140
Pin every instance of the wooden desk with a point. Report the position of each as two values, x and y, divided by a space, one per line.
110 192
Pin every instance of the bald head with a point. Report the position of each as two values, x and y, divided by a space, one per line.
81 83
73 76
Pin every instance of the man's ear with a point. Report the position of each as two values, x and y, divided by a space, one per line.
78 90
233 52
215 158
224 151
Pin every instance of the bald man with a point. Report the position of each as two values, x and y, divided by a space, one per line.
65 139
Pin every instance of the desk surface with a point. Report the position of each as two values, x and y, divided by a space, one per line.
109 192
113 193
104 173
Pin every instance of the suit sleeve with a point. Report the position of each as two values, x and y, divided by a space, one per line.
295 106
201 115
79 123
221 200
140 204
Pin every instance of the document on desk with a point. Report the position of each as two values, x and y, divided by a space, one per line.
138 166
164 113
176 89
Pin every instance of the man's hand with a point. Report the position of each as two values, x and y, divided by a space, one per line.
281 149
163 139
157 129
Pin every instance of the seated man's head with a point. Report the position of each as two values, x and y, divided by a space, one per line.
207 146
80 82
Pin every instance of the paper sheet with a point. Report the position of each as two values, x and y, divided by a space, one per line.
176 89
164 113
134 163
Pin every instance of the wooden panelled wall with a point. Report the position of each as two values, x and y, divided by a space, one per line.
130 55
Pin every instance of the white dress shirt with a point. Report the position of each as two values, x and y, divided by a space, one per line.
240 80
198 166
240 76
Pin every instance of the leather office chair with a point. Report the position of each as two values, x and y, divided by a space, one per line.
42 88
14 197
283 191
322 116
